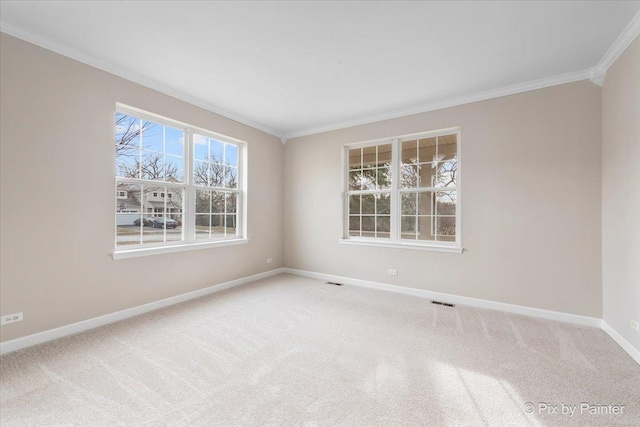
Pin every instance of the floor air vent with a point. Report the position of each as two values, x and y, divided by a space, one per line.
446 304
334 283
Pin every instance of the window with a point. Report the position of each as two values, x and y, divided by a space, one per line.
404 192
199 172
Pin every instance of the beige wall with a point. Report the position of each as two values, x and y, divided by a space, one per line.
621 194
531 197
57 196
531 222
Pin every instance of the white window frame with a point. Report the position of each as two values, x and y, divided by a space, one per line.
188 241
394 241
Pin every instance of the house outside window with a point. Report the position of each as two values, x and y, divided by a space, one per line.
404 192
200 172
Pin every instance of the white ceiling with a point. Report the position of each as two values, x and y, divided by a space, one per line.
299 67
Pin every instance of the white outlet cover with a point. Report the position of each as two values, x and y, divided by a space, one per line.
10 318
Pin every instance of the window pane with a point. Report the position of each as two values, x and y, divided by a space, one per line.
408 227
152 201
354 204
383 178
369 157
231 154
155 233
383 226
201 173
174 198
447 147
200 147
203 223
217 175
354 180
425 203
446 174
152 137
409 152
203 202
218 199
446 227
232 202
427 175
173 224
174 141
127 141
426 150
446 203
152 167
217 226
231 177
354 226
409 203
173 168
129 219
409 176
355 158
128 165
368 226
231 225
383 204
368 179
216 151
368 204
426 228
384 155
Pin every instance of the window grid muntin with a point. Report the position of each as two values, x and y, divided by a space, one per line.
188 211
397 190
142 151
375 214
225 214
144 190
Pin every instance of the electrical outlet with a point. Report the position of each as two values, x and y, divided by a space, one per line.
635 325
269 260
11 318
393 272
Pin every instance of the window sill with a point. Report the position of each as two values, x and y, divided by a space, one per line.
134 253
415 246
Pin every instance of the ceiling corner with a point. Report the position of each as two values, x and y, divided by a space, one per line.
628 35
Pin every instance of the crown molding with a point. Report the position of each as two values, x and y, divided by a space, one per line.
451 102
116 70
623 41
595 74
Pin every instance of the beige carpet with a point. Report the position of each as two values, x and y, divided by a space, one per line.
294 351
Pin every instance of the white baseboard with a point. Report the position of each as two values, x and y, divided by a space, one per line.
74 328
622 342
41 337
474 302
